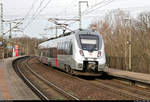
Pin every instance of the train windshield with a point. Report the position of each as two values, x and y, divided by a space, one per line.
89 42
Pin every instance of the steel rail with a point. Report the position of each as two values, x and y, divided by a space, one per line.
128 88
120 91
123 92
40 94
52 85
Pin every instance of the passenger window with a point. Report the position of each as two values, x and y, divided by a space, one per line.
63 48
68 45
71 52
70 48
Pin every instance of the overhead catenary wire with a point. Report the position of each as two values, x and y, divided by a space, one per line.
103 3
18 23
66 7
37 14
32 6
132 9
93 6
87 10
37 8
107 3
32 17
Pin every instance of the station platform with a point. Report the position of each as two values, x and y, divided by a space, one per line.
140 77
11 86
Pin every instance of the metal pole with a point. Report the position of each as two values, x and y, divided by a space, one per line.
1 18
127 21
1 26
80 16
27 46
80 25
129 43
10 30
125 50
10 37
56 31
130 66
125 45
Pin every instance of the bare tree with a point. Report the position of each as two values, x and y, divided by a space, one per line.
116 31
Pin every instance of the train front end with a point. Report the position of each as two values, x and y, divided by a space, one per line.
90 55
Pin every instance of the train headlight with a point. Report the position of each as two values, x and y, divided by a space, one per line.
99 54
81 53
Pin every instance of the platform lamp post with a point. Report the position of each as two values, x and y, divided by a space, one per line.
128 20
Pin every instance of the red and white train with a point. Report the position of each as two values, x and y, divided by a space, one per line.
80 52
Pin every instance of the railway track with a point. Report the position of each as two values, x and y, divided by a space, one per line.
111 87
80 80
130 90
125 91
30 78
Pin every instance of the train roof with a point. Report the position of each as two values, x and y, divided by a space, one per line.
83 31
80 31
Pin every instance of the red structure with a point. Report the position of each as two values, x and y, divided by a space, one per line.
16 50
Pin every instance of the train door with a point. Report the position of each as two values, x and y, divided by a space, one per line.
56 52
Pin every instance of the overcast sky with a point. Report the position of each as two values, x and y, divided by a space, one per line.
14 9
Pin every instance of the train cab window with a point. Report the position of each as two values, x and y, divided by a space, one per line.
89 42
